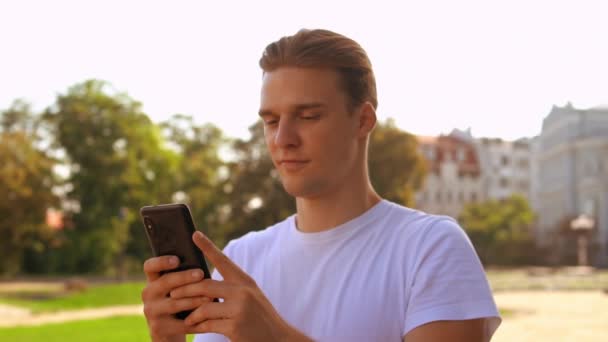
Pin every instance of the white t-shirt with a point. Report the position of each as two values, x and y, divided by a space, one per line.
373 278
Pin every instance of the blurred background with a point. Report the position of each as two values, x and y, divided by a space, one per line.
493 113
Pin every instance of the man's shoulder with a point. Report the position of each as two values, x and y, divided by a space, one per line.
416 232
423 235
418 222
257 240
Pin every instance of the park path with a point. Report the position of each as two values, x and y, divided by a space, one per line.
15 316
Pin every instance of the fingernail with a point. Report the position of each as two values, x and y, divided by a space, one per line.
173 261
200 234
196 274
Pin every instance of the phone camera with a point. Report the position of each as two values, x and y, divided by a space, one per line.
148 223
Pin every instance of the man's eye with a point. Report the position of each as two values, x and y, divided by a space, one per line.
310 117
270 122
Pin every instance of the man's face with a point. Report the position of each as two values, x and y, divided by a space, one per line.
312 138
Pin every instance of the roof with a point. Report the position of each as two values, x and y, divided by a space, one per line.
425 139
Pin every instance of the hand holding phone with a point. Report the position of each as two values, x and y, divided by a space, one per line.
169 230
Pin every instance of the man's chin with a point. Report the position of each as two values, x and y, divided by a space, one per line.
300 191
293 192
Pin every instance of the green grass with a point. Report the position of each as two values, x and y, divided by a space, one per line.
126 328
553 279
93 297
505 313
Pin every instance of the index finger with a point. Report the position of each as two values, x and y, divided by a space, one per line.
153 266
229 270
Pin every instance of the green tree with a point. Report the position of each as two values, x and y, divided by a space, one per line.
200 169
500 230
396 167
26 182
117 162
19 118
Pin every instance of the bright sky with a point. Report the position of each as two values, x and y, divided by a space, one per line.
496 67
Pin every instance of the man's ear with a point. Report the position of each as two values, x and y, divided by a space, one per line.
367 119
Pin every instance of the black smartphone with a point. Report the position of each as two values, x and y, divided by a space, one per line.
169 228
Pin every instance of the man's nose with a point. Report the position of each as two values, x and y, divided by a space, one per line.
287 134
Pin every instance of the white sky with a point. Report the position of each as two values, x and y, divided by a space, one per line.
495 66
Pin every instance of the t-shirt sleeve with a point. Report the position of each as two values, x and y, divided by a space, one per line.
448 282
228 250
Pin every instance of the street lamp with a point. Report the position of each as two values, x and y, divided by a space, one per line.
582 225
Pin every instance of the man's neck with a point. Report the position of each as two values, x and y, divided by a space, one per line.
326 212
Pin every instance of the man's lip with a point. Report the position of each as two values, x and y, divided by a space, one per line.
292 161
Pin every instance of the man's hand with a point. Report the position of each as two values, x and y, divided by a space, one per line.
245 313
159 307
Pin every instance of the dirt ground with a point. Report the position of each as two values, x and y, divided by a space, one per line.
580 316
12 316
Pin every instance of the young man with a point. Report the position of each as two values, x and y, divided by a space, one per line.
348 266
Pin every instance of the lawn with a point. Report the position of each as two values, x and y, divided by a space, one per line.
126 328
546 279
505 313
53 298
93 297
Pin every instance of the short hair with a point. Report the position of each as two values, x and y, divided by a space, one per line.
326 49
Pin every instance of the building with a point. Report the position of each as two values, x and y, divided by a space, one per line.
572 169
506 167
454 175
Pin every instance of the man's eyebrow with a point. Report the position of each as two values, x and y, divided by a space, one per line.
305 106
297 108
265 112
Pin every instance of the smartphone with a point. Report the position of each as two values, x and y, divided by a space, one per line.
169 228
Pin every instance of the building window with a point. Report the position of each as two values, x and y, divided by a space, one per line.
449 197
460 197
524 164
438 197
430 153
504 160
460 155
504 183
473 197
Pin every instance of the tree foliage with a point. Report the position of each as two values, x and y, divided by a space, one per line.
26 182
396 167
118 162
200 169
500 230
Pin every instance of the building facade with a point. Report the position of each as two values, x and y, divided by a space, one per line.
506 167
571 156
454 175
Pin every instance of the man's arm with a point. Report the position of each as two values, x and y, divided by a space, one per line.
449 294
472 330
